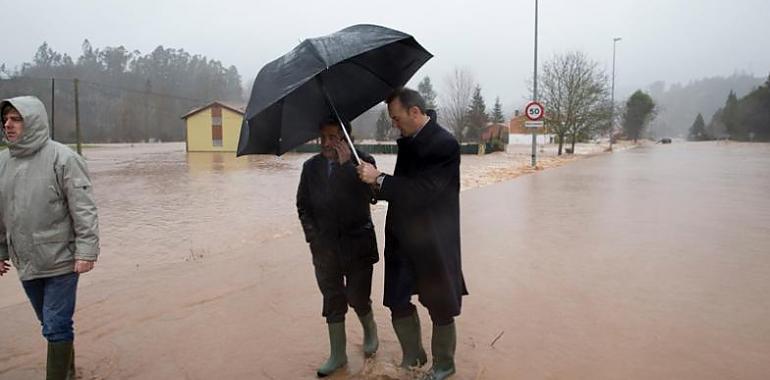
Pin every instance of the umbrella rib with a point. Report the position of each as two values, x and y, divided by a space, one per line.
317 53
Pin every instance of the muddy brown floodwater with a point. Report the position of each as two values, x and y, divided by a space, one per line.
651 263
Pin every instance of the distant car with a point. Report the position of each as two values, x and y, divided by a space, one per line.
665 140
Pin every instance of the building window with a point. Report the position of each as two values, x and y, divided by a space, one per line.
216 135
216 126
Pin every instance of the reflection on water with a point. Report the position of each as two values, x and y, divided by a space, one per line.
159 203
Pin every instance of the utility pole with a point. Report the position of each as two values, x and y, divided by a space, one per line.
534 96
612 96
77 119
146 127
53 106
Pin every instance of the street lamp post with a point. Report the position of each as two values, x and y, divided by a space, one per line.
612 94
534 96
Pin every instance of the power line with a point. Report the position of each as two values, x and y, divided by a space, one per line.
141 92
104 85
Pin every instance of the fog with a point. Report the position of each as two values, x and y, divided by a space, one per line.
670 41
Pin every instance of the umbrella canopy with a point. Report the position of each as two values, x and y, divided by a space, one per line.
340 75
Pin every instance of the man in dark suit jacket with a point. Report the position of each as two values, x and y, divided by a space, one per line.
333 207
422 232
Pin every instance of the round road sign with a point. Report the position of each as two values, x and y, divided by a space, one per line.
534 111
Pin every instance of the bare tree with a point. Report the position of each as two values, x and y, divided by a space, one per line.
456 100
575 93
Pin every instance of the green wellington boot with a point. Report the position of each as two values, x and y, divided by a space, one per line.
408 333
443 345
337 357
59 361
371 343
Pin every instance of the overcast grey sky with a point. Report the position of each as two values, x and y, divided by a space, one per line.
670 40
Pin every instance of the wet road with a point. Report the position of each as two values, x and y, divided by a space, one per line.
649 264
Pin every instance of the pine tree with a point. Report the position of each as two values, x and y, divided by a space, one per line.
383 126
477 116
425 88
698 130
497 112
730 117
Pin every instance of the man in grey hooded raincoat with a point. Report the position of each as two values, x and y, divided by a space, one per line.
48 223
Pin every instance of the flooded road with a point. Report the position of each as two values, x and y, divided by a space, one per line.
651 263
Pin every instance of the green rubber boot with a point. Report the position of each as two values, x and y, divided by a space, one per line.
71 375
337 357
408 333
443 345
371 343
59 361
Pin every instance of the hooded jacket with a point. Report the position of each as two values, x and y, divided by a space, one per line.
47 213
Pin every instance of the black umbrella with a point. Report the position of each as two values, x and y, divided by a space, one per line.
340 75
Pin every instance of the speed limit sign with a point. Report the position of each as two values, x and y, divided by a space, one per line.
534 111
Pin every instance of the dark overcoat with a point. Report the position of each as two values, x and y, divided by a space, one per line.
422 229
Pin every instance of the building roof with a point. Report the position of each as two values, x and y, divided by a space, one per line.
236 109
516 126
493 130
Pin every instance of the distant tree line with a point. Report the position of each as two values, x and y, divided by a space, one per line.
744 119
124 96
680 104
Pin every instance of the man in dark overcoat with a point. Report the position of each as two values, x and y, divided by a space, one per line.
422 232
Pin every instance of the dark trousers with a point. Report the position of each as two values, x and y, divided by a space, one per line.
53 299
344 278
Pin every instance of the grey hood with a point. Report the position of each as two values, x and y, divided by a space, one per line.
35 133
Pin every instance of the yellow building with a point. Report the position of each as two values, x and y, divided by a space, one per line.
214 127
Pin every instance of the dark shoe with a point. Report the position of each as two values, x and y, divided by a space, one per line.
59 361
337 357
371 343
408 333
443 345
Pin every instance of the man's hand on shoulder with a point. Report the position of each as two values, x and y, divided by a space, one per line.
4 267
